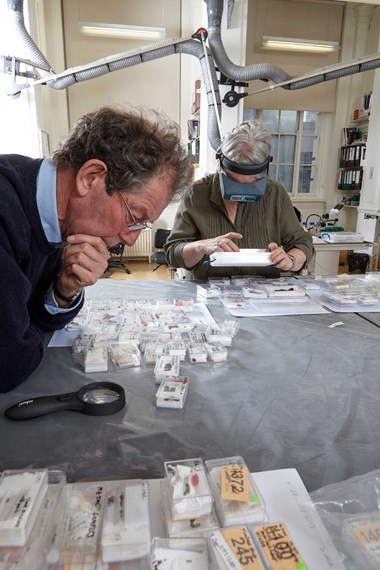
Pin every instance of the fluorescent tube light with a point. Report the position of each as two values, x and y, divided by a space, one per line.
296 44
121 31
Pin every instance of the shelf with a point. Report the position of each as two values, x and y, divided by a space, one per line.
350 168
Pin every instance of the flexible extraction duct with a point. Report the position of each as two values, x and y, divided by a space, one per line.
269 72
215 54
16 21
121 61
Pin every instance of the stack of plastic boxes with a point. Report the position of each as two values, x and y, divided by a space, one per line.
245 539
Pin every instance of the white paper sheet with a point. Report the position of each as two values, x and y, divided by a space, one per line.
283 306
287 500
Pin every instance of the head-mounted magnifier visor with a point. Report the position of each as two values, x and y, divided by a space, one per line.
237 191
241 192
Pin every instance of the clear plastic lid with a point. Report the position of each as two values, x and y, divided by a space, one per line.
35 553
22 493
189 553
233 549
194 527
189 491
237 498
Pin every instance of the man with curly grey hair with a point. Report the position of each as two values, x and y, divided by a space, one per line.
238 207
117 170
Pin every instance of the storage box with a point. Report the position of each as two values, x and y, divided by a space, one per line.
342 237
241 503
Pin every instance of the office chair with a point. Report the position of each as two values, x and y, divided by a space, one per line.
115 260
159 257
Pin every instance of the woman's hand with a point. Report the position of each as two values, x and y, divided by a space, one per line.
194 251
288 261
220 243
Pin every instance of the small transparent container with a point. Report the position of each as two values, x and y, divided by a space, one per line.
184 304
35 553
233 547
189 491
78 536
197 353
216 351
124 355
230 326
189 553
22 493
176 348
216 334
172 392
126 522
96 359
361 538
277 548
234 302
166 367
194 527
235 512
207 292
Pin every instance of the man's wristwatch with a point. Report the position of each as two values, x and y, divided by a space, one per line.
71 300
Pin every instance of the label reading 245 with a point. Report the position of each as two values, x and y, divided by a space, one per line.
242 547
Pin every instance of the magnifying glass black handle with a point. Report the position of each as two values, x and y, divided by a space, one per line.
34 407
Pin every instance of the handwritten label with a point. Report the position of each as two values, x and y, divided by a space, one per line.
242 547
279 548
235 483
368 534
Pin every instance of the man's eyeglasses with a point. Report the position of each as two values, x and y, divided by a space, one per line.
136 226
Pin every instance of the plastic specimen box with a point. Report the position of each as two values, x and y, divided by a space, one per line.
233 547
277 547
126 522
36 551
189 553
21 496
189 492
172 392
124 355
193 527
237 498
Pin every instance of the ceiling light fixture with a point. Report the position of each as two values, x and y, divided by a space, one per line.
121 31
296 44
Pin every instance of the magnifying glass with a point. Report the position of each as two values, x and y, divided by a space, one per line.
95 399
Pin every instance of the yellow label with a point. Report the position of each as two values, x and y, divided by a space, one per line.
279 548
242 547
368 534
235 483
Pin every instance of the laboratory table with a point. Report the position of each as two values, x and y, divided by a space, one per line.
373 318
294 392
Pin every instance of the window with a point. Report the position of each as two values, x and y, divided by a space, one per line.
295 145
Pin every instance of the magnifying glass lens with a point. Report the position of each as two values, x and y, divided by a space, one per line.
100 396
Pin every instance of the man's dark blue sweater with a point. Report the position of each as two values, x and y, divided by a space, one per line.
28 267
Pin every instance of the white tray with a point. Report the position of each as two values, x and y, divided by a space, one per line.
242 258
342 237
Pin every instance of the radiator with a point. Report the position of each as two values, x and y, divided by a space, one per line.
141 249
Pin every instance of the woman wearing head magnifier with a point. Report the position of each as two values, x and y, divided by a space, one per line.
238 207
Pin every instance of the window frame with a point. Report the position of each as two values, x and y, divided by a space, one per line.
320 155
